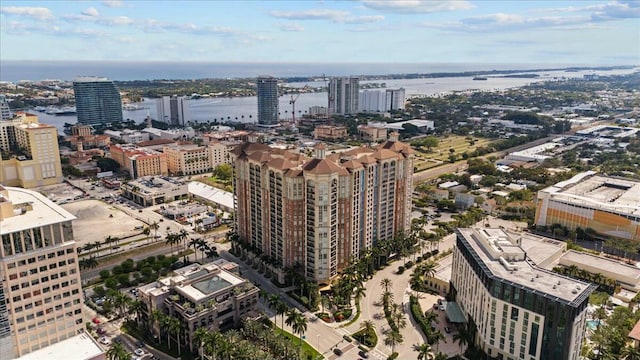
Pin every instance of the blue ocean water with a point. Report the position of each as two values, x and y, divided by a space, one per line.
11 70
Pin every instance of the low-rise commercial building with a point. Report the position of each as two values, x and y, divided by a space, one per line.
608 205
199 296
372 133
330 132
515 308
153 190
79 347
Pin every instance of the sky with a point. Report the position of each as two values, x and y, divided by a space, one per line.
402 31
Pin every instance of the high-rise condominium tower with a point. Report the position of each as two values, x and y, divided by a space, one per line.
174 110
318 212
267 100
40 288
343 95
97 100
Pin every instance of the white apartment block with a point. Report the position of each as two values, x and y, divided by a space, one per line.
382 100
515 309
40 288
174 110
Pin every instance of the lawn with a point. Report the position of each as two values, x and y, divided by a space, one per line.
459 144
308 352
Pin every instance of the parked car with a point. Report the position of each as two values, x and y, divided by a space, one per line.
337 351
139 352
104 341
364 354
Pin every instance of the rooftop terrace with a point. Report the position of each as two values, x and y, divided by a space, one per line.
510 263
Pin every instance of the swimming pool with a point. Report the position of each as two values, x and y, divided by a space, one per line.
592 324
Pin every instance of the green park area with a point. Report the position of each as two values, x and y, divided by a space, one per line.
432 151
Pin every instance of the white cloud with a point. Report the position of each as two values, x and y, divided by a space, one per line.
91 12
291 27
336 16
569 18
366 19
417 6
112 3
40 13
313 14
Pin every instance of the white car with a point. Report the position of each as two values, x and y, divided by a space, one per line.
139 352
104 341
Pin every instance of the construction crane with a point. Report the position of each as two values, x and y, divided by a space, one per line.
292 102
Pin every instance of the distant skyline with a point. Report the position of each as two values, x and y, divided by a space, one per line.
403 31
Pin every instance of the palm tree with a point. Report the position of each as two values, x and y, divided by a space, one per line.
298 323
386 284
272 301
400 321
631 353
359 292
154 226
173 327
368 325
392 339
281 309
182 237
441 356
172 238
462 337
325 301
195 244
117 351
424 351
158 319
88 263
135 308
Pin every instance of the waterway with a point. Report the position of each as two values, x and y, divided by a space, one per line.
244 109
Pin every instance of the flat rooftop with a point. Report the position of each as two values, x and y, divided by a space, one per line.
510 263
588 188
155 184
79 347
601 262
443 271
196 282
40 211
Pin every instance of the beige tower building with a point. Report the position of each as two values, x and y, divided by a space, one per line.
40 288
30 154
318 212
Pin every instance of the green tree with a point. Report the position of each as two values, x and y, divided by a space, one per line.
223 172
392 339
107 164
424 351
117 351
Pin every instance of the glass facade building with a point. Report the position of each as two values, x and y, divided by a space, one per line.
267 100
97 101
